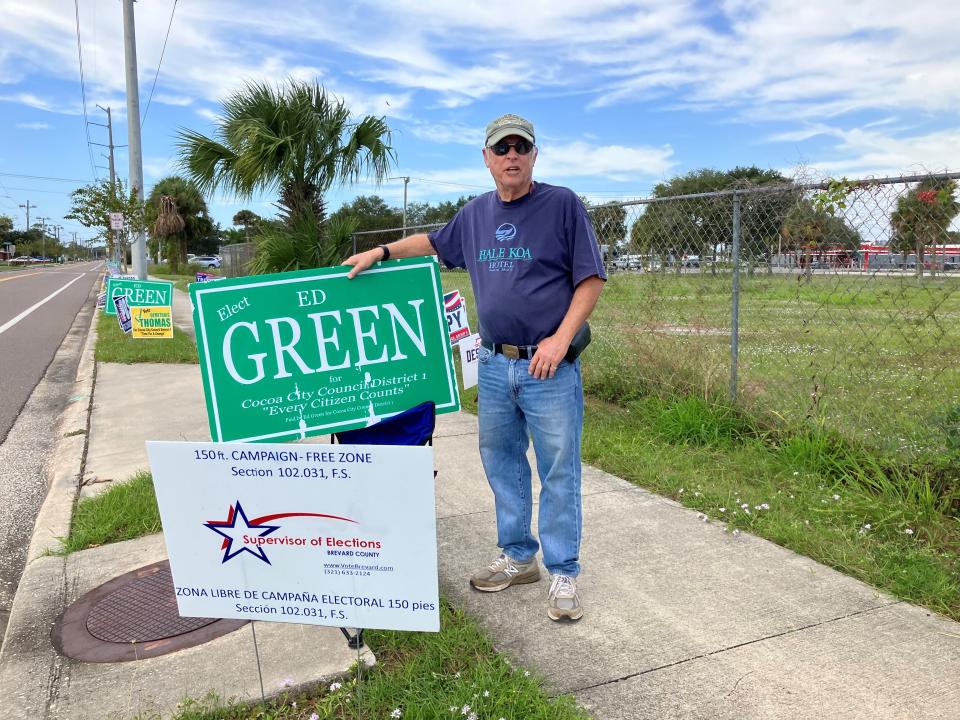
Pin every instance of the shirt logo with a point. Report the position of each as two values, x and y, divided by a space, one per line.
506 232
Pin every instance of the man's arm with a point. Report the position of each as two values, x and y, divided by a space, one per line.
551 350
411 246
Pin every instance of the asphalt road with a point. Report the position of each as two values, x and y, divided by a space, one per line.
27 344
41 310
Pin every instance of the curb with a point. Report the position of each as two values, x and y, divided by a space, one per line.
56 513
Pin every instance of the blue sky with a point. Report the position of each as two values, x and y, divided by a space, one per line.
623 94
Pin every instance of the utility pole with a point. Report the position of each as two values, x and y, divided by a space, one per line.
43 236
113 173
28 206
406 180
139 245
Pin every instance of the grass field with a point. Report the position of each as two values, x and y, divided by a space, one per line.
113 345
817 454
872 357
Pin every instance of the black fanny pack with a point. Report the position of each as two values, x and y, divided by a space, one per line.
579 343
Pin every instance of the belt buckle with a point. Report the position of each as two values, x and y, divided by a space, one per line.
510 351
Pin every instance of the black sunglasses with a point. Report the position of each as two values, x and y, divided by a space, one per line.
521 146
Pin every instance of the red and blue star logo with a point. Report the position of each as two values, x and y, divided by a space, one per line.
237 525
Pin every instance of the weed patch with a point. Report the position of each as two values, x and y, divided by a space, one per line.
113 345
453 673
127 510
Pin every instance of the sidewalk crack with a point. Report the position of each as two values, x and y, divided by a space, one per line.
630 676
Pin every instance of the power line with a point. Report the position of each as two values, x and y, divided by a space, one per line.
46 192
453 184
169 25
83 91
40 177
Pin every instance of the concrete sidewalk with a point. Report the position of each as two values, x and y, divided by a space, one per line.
683 619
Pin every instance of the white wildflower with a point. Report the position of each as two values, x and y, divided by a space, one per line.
909 531
723 509
486 693
336 686
396 713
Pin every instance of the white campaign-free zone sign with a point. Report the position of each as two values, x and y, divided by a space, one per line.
341 535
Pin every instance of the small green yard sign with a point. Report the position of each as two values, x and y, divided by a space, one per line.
140 293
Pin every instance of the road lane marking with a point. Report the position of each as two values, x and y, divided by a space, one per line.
10 323
14 277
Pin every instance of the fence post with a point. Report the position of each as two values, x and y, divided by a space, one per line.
735 319
353 237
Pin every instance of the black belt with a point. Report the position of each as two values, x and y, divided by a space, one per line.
514 352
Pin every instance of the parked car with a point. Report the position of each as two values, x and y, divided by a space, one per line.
628 262
22 260
206 261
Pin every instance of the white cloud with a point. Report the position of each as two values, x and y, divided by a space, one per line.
169 99
39 103
34 126
616 163
870 153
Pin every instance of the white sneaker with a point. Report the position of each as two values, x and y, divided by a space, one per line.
564 604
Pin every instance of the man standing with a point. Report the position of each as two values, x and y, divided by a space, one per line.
536 272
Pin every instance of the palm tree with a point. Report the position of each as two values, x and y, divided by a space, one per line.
177 213
295 139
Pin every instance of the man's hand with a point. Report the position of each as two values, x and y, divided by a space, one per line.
550 352
362 261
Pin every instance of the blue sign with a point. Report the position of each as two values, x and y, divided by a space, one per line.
123 313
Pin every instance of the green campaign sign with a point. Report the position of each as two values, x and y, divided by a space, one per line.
140 293
298 354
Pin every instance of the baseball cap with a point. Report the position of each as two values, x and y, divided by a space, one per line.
506 125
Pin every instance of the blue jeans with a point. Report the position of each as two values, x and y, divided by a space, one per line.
513 406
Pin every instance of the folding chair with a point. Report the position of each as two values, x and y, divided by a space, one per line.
411 427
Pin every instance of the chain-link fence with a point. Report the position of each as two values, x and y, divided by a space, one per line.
834 303
237 258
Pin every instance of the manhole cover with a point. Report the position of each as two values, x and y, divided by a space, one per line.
142 610
131 617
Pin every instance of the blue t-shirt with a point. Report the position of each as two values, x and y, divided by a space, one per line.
525 258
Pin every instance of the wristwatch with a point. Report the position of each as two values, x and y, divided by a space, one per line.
386 252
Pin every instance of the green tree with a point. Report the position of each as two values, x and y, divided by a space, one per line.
246 219
703 225
811 227
371 212
442 212
922 218
609 225
295 139
92 204
281 247
250 222
6 227
177 216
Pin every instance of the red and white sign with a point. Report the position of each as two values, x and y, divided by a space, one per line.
456 310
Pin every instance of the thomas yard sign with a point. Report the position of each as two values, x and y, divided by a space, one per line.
140 293
152 322
293 355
